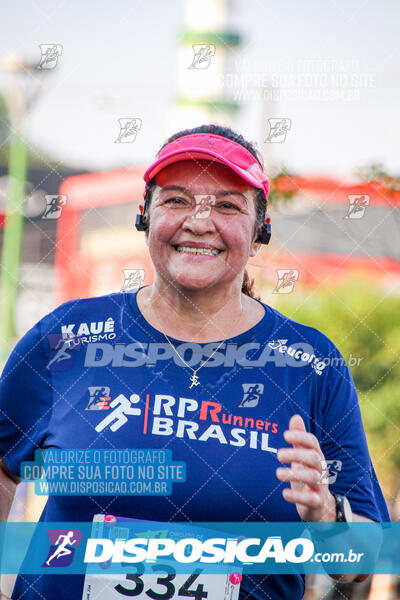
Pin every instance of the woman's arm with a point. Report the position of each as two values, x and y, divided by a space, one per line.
313 502
7 492
347 578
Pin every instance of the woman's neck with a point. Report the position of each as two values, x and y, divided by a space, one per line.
196 316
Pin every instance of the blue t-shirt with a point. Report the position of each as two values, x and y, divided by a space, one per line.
54 394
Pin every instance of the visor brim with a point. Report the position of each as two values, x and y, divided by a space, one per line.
255 178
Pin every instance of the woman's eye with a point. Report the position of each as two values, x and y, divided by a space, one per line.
227 206
175 200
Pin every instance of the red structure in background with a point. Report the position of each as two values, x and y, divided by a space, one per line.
96 191
74 268
324 264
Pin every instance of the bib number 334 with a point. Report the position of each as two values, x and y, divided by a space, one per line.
162 584
166 584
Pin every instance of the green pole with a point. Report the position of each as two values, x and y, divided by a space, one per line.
12 238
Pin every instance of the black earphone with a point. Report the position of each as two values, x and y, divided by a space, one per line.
263 237
265 234
140 223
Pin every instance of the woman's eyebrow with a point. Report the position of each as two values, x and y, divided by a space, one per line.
185 190
231 193
179 188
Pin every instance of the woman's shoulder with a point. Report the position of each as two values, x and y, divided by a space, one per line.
286 328
80 313
92 302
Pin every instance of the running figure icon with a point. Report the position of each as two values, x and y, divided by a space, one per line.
62 550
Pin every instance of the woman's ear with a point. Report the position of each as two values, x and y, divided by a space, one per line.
255 246
255 249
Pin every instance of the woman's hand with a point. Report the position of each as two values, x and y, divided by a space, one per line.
313 500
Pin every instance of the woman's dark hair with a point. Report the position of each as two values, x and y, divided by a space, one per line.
248 284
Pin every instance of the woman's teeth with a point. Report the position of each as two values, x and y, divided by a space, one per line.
197 250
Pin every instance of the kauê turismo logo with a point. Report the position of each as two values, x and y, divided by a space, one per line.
95 331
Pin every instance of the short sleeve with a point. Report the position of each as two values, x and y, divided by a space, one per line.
25 400
344 444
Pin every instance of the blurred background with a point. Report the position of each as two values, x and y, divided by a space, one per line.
89 93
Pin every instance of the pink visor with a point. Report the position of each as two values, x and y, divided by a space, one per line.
217 147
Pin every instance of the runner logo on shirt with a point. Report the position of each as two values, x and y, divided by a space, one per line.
61 353
99 397
251 394
188 418
122 406
61 553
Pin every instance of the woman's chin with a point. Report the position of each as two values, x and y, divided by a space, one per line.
194 283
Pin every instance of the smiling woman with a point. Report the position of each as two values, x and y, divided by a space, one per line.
200 257
206 199
216 137
215 382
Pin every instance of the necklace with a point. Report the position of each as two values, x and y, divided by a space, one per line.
194 378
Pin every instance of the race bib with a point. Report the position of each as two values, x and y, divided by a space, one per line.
155 582
162 586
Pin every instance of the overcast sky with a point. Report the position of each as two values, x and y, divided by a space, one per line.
119 59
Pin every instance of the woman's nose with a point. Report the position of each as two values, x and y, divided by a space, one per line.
199 221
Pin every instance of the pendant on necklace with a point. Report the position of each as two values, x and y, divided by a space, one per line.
195 380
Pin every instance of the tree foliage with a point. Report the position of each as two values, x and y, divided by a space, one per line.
365 324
